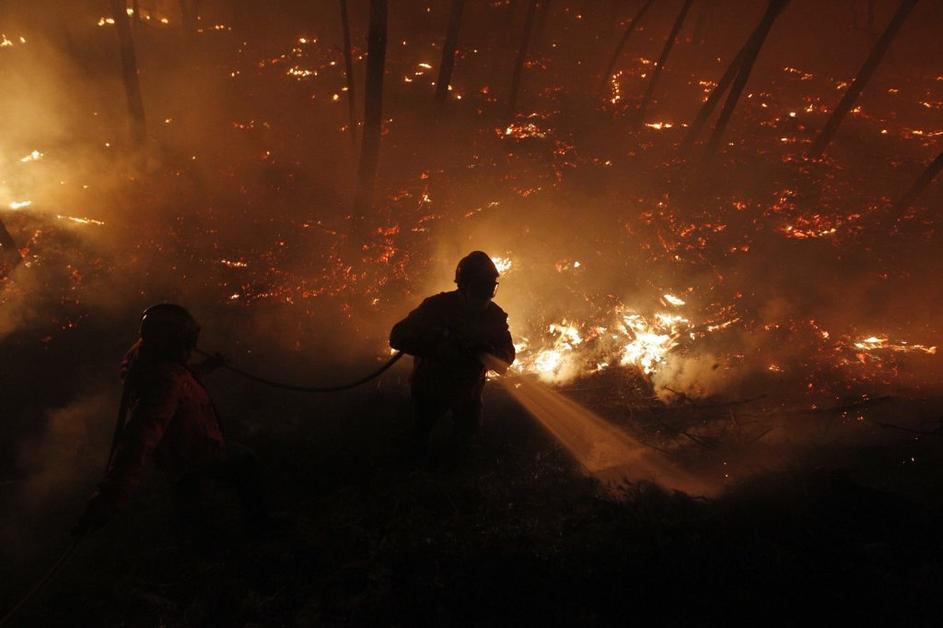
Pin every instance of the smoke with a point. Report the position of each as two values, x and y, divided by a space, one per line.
66 453
238 205
694 377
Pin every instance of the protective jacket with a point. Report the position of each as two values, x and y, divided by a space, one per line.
445 317
170 414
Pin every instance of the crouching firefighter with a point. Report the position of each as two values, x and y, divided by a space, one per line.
455 338
167 413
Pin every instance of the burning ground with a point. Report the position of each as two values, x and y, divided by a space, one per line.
765 321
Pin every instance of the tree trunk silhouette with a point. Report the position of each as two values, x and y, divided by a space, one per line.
373 108
633 24
662 59
773 11
129 71
521 57
921 184
448 52
349 71
864 75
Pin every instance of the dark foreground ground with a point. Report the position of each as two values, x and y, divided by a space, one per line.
515 536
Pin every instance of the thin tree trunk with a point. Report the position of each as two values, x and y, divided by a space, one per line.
349 71
861 80
773 10
129 71
921 184
541 25
373 108
663 58
717 93
7 243
633 24
9 254
521 57
136 10
448 53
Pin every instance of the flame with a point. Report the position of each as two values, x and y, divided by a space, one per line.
33 156
503 264
878 343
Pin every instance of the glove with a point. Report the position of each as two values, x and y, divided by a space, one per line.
97 513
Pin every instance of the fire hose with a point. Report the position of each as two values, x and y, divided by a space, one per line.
309 389
64 557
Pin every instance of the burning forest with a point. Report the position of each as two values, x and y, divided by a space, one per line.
711 227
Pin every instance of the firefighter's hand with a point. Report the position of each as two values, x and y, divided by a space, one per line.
97 513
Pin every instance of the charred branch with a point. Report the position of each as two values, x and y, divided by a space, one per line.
861 79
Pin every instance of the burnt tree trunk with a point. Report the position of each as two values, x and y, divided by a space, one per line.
773 10
521 57
129 71
448 53
9 254
373 108
633 24
921 184
663 58
861 79
541 25
349 72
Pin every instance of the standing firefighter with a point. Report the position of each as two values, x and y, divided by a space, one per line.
455 338
166 412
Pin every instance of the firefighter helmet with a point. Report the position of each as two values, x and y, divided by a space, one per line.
476 269
169 324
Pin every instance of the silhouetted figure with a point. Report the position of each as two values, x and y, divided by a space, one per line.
166 412
448 334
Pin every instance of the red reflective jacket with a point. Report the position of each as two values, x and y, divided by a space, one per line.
170 414
446 315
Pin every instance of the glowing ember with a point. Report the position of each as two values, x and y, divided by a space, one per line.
81 221
33 156
20 204
876 343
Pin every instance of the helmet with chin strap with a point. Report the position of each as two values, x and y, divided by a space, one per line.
169 325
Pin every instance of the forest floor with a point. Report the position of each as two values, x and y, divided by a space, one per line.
843 530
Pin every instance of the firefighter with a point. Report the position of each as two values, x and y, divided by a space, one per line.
167 414
455 338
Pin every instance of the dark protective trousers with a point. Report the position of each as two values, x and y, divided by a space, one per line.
428 409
